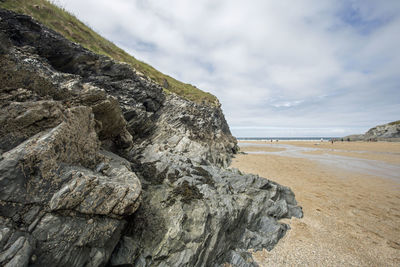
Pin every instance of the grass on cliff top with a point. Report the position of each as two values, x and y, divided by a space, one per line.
394 122
71 28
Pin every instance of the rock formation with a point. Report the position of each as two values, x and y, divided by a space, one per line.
386 132
100 167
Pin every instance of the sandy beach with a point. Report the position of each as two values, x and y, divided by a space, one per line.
350 194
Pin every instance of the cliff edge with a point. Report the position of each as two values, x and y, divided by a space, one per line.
385 132
99 166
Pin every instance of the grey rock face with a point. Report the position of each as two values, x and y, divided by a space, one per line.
385 132
65 240
197 132
62 198
204 216
99 167
115 192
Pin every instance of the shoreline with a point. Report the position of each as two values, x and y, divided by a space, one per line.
382 151
350 218
317 140
283 139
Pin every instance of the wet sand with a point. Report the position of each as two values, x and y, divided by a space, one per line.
382 151
350 217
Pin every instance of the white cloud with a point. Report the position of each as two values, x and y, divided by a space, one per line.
313 64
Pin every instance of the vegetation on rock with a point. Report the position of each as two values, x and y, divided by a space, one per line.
61 21
394 122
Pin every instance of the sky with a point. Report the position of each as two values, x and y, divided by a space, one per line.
284 68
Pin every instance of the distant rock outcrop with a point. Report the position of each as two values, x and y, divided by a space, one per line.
100 167
386 132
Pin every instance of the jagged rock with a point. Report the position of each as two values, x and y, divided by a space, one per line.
186 128
206 222
65 240
54 177
55 170
68 199
17 254
386 132
117 192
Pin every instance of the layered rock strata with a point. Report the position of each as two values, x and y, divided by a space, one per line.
100 167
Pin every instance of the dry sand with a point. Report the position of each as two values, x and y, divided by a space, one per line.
350 218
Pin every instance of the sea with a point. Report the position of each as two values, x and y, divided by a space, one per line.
286 138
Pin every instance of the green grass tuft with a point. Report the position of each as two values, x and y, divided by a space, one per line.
70 27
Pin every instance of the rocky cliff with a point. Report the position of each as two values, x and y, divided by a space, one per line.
100 167
386 132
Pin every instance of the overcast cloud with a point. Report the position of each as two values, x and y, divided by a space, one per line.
279 68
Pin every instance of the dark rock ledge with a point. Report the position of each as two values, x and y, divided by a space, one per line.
99 167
